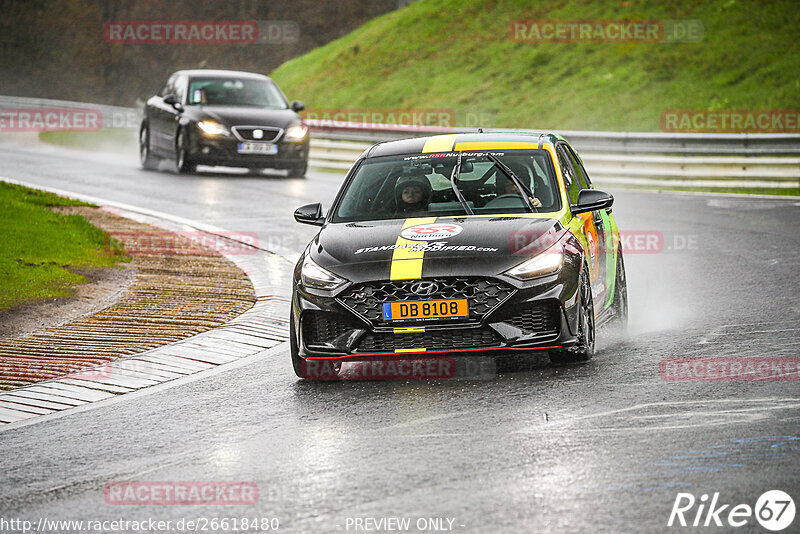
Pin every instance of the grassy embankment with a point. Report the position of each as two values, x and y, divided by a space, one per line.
39 248
449 54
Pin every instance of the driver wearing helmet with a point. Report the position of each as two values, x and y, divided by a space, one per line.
508 189
413 193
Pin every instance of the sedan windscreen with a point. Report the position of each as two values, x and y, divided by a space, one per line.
398 187
235 92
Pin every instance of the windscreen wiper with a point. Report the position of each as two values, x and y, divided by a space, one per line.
459 196
527 193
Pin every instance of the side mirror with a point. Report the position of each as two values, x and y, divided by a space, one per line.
591 200
172 100
298 106
310 214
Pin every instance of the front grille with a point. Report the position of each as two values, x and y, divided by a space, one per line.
246 133
461 338
482 294
323 327
539 319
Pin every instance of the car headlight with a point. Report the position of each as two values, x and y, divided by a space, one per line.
314 276
548 262
296 132
212 128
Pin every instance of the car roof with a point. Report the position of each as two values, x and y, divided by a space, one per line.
464 141
215 73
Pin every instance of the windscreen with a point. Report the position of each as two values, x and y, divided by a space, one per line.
235 92
398 187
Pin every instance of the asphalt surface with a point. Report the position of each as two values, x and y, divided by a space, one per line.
604 446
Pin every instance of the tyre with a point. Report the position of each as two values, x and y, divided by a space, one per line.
620 305
298 171
583 350
315 370
183 163
146 158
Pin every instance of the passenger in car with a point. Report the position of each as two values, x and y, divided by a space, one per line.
413 195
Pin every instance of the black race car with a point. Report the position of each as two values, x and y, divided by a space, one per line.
458 244
219 117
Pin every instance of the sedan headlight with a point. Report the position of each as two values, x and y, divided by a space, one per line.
296 132
314 276
548 262
212 128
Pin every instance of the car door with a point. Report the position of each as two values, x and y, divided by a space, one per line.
592 225
604 221
162 119
179 88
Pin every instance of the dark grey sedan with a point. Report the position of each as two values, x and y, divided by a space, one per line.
228 118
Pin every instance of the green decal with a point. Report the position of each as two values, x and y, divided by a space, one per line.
612 238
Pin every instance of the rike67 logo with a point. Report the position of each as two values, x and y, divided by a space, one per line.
774 510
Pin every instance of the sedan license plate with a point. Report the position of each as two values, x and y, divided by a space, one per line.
424 309
258 148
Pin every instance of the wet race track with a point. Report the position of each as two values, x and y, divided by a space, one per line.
604 446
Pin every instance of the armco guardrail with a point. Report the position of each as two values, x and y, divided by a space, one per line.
617 142
636 158
761 160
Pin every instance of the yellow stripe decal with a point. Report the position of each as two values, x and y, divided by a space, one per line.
408 329
497 145
406 263
410 350
439 143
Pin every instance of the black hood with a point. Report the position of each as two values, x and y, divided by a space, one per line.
483 246
248 115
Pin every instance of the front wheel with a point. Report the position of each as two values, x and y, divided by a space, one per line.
146 158
183 163
299 170
583 350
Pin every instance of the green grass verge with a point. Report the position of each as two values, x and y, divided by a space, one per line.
38 247
106 140
450 54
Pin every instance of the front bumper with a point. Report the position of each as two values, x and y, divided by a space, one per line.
224 151
525 317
